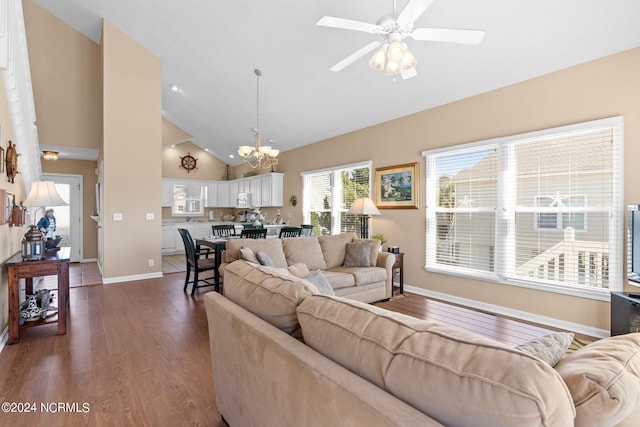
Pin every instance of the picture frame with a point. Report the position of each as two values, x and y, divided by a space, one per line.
396 187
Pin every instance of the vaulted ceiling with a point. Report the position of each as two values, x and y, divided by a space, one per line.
209 49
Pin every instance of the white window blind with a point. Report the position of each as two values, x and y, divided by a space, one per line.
542 209
329 193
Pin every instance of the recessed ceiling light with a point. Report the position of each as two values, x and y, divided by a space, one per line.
231 156
175 88
172 146
206 149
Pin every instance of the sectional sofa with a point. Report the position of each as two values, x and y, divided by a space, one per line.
367 279
355 364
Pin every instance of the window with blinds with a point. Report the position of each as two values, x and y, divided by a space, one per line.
542 209
328 195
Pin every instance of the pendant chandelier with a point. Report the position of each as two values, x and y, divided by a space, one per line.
259 156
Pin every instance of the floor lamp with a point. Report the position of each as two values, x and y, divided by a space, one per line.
364 208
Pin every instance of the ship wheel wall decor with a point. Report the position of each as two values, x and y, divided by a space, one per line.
11 162
188 162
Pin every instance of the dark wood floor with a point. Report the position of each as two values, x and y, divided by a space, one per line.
137 353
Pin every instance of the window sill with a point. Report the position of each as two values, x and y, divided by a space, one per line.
599 294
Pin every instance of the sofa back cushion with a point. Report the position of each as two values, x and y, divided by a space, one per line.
272 247
306 250
604 380
268 293
455 377
334 248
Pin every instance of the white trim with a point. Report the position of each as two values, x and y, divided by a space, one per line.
4 338
517 314
135 277
363 164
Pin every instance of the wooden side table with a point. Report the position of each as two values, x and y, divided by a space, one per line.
54 263
398 266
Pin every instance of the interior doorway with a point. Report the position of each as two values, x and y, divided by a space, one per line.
69 218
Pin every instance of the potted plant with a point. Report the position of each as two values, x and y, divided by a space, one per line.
380 237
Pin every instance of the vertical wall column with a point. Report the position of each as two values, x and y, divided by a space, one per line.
132 159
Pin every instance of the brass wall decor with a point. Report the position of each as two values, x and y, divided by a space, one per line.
11 162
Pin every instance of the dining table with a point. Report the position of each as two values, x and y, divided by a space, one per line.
218 244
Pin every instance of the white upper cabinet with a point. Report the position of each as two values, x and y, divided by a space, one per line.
265 190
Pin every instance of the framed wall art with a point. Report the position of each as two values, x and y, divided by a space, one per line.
396 187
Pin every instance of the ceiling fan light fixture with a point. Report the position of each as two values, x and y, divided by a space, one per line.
395 51
378 59
408 60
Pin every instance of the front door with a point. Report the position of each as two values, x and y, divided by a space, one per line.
68 218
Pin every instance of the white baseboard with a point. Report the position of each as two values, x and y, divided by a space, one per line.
89 260
517 314
4 338
120 279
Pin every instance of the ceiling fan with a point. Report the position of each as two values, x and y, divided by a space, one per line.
394 56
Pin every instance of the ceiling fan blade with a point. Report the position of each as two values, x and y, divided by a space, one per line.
347 24
448 35
355 56
407 74
412 11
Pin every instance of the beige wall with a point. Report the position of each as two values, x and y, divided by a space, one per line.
132 156
602 88
66 77
10 237
89 178
172 134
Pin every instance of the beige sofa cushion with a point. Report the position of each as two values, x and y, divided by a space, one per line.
272 247
339 280
363 275
268 293
334 248
455 377
304 249
604 380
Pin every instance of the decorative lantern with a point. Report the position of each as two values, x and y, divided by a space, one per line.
33 244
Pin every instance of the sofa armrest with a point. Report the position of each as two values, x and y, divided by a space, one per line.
386 261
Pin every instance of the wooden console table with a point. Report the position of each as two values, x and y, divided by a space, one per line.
54 263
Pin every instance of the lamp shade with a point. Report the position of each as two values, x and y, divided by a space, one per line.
363 206
44 193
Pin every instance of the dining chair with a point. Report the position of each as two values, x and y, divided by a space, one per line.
254 233
307 230
290 232
224 230
196 263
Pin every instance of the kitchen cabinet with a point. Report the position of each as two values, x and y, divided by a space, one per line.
223 194
271 189
256 192
169 232
233 193
212 195
167 193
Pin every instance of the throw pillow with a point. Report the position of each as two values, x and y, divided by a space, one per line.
358 255
299 270
264 259
248 255
549 348
317 278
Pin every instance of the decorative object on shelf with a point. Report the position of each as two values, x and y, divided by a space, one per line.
364 207
43 194
11 162
394 249
50 155
16 214
188 162
259 156
396 187
37 306
394 56
293 200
